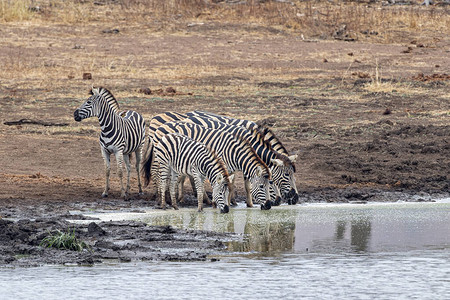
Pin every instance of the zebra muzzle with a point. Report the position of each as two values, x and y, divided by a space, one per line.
267 205
225 209
76 115
293 200
291 194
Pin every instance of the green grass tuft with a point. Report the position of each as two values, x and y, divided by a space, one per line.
63 240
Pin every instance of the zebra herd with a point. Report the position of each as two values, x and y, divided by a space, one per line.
196 145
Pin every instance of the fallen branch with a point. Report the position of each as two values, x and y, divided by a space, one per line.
28 121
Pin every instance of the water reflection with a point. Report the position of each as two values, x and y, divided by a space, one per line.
360 234
320 229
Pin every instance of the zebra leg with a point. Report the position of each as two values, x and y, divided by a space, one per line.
138 163
204 196
199 187
126 159
233 193
173 187
249 194
162 184
162 194
180 183
119 158
107 161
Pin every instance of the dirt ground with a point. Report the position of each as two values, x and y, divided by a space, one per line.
369 121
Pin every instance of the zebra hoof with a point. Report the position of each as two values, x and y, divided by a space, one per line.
104 195
175 207
141 194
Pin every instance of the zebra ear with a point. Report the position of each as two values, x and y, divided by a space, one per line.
219 179
293 158
259 171
277 162
231 177
95 90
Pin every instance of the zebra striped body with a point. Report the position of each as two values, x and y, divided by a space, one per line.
281 167
268 135
236 153
121 133
177 155
162 118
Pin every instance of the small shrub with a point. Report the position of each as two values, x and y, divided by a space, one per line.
63 240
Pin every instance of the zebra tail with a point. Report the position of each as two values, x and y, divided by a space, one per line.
147 164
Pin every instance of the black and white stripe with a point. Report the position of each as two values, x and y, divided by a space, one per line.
121 133
281 166
268 135
178 155
262 139
236 153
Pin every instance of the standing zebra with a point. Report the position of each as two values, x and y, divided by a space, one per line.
179 155
122 133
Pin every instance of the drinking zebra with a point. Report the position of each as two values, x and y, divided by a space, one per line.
121 133
236 153
179 155
262 139
281 166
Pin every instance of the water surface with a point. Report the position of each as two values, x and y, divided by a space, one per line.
372 251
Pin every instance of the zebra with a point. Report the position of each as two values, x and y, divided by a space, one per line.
281 167
236 153
285 163
121 133
179 155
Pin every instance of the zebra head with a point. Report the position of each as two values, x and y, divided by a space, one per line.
259 188
88 108
282 170
100 98
221 191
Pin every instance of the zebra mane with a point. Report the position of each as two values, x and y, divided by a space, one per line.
221 163
264 130
106 95
249 146
283 157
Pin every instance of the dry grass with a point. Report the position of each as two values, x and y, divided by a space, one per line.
15 10
346 20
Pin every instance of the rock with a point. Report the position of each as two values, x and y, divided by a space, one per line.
95 230
145 91
87 76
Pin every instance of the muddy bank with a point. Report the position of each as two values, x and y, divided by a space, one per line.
120 241
131 241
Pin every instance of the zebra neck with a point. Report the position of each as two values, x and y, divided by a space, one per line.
107 117
243 160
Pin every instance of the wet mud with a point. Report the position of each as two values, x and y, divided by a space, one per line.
120 241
